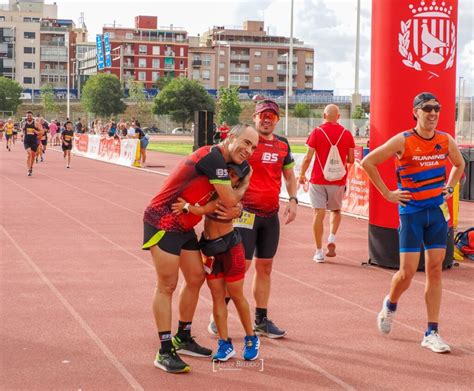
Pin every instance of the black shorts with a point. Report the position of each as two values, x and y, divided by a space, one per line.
261 237
66 147
44 142
169 242
8 136
33 145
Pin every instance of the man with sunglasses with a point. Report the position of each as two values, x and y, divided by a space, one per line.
259 225
421 155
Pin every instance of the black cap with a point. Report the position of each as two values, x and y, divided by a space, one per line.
241 170
422 98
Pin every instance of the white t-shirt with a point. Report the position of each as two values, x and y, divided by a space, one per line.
131 132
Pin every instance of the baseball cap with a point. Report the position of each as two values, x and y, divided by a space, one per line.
241 170
422 98
267 104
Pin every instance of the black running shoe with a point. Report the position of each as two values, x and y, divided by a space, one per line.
171 362
268 329
30 172
190 347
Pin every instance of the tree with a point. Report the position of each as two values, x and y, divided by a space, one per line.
136 92
228 105
302 111
103 95
162 82
47 98
10 93
181 98
358 113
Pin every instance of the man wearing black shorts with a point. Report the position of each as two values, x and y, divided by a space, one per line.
259 225
67 138
30 140
173 242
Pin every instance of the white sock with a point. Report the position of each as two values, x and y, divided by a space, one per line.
332 238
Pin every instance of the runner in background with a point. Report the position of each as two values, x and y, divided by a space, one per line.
9 126
67 138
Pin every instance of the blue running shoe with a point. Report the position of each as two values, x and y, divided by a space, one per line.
251 347
268 329
225 350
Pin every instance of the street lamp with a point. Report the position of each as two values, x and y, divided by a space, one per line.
223 43
68 76
286 93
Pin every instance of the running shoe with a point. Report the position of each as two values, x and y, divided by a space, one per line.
190 347
268 329
318 256
212 327
251 347
171 362
225 350
67 166
385 318
30 172
434 342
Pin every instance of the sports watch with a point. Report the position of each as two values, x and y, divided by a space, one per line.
450 189
185 209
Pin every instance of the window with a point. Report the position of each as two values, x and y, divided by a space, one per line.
29 65
27 20
128 35
35 20
221 52
206 60
269 54
142 76
221 65
257 79
155 76
28 80
155 63
270 79
29 35
195 74
181 52
181 64
2 18
257 53
29 50
206 74
142 49
221 78
142 63
270 67
156 50
257 67
111 34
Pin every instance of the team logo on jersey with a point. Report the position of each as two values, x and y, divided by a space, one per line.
437 147
268 157
427 41
222 173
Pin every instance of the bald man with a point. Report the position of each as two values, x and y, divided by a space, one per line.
325 192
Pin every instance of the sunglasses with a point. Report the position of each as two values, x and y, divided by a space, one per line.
429 108
268 115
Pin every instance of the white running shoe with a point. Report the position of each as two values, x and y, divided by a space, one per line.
318 256
434 342
385 318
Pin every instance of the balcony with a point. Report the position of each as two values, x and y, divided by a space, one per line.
308 73
283 72
281 84
308 85
129 52
51 57
169 67
128 65
51 28
244 57
309 60
244 83
53 72
239 70
196 63
285 59
51 43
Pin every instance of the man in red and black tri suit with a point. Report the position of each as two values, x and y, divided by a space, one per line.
173 242
30 140
259 225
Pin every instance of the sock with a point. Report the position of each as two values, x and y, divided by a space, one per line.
184 330
227 299
260 314
431 327
165 339
391 306
332 238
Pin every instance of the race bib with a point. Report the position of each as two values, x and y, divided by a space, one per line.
444 208
246 221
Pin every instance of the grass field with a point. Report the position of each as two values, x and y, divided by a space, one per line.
184 148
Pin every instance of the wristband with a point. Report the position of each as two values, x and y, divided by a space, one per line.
293 198
186 208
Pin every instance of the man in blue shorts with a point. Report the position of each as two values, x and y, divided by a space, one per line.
421 155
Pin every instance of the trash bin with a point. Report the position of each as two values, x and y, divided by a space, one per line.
467 187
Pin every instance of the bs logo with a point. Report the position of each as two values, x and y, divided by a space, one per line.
268 157
222 173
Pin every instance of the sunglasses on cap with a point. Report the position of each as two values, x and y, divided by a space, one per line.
268 115
429 108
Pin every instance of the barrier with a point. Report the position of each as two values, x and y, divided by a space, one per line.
125 152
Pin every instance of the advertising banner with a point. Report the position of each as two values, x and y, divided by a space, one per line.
108 58
100 51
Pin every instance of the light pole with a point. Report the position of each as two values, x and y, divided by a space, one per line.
68 77
286 93
290 60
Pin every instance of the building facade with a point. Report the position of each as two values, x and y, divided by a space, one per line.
147 52
251 59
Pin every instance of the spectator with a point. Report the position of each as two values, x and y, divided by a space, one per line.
223 131
327 194
78 127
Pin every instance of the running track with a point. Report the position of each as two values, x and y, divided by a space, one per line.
76 296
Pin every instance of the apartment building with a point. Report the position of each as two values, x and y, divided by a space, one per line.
35 46
250 58
147 52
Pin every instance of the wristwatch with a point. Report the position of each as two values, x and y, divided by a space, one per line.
450 189
293 198
185 209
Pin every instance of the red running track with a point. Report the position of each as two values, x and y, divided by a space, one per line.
76 296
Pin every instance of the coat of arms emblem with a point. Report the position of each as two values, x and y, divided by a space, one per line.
427 41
